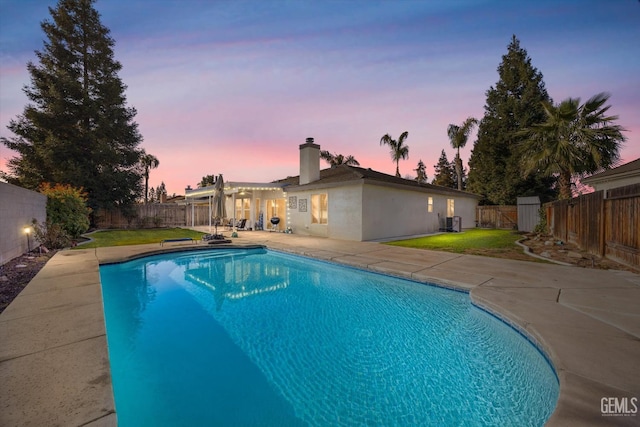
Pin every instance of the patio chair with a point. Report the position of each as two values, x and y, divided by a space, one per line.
241 224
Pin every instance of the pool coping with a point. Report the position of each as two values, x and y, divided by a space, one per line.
54 365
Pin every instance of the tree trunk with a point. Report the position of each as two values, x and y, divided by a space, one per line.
459 171
564 184
146 187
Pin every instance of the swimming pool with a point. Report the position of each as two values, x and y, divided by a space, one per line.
256 337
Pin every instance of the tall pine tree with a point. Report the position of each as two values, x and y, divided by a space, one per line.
421 172
445 174
77 128
514 104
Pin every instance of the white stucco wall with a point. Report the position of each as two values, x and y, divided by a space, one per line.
18 207
371 212
391 212
344 214
465 207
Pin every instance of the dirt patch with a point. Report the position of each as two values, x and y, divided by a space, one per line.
17 273
557 250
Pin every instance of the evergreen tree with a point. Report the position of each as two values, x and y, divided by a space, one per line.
514 104
77 128
160 190
421 172
207 181
445 175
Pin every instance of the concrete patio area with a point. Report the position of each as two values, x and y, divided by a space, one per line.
54 366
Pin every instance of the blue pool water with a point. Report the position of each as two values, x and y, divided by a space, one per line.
255 337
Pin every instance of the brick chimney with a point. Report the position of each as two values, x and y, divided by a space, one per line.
309 162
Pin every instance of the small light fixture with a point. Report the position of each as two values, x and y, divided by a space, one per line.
27 231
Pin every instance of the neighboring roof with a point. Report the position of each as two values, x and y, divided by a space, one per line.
343 174
175 199
627 170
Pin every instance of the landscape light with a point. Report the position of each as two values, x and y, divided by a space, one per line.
27 231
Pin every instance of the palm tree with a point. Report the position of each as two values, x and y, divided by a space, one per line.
148 161
574 141
338 159
398 149
458 136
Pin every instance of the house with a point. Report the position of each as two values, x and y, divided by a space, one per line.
627 174
346 202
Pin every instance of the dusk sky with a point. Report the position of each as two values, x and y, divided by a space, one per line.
234 87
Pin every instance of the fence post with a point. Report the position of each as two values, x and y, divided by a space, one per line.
603 224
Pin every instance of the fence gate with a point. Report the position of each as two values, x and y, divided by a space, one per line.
497 217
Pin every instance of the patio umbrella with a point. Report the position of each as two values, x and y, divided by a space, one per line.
219 209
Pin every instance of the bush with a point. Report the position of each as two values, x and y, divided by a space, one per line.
66 207
51 235
541 226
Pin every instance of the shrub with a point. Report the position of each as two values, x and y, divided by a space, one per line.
541 226
66 207
51 235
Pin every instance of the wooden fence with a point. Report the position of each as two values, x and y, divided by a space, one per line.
153 215
497 217
602 223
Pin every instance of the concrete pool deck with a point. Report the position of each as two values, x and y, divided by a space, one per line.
54 366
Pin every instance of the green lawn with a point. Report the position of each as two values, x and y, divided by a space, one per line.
137 237
478 241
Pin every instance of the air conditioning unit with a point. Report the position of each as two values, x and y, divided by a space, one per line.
456 224
451 223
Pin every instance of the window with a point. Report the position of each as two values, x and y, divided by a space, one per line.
319 208
430 205
450 207
243 208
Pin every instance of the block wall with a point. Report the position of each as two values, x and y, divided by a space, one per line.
18 207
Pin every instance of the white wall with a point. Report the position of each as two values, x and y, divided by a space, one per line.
370 212
18 207
390 212
465 207
346 213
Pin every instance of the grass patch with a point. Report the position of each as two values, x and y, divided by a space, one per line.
137 237
477 241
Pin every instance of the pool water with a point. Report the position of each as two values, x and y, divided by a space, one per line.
254 337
